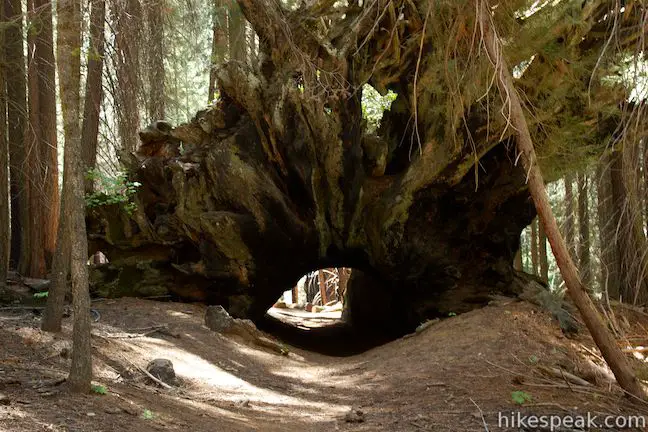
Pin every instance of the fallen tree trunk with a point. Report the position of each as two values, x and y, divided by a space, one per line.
283 176
577 291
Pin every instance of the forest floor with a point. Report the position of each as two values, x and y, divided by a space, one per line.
455 375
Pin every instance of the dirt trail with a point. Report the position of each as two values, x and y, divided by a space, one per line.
456 375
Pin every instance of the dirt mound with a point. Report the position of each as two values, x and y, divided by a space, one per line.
457 374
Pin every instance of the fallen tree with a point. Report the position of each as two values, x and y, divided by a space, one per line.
282 176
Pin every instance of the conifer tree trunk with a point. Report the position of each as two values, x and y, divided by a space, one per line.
237 45
584 232
219 44
69 66
610 275
155 53
603 338
128 19
542 250
630 239
94 88
15 77
45 63
534 247
5 247
569 215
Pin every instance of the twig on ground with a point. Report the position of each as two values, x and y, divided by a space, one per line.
481 413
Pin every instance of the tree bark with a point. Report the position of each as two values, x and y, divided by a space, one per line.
127 15
155 65
94 89
322 287
542 251
69 65
630 239
45 64
610 270
5 233
584 260
17 120
237 42
534 247
219 44
569 215
604 340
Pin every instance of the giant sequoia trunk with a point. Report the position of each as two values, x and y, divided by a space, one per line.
281 177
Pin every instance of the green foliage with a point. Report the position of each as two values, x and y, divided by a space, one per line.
374 105
112 190
41 295
452 314
520 397
533 359
99 389
147 415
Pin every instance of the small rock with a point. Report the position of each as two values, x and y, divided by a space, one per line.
354 416
37 284
4 399
91 414
245 403
217 319
112 410
162 369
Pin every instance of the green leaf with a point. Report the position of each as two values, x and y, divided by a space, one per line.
520 397
40 295
99 389
147 415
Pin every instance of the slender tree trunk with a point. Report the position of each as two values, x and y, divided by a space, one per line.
322 287
128 19
32 259
17 120
534 247
5 247
237 45
517 262
584 232
44 56
75 248
156 53
219 44
569 215
69 65
604 340
94 89
542 249
610 275
631 241
344 275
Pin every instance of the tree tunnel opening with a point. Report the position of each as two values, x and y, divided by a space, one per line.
337 311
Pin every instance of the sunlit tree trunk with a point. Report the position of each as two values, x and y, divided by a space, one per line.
69 67
237 41
15 77
94 88
534 247
219 43
542 252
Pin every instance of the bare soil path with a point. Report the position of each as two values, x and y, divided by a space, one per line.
456 375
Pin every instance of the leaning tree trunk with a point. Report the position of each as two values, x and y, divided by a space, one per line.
601 335
282 176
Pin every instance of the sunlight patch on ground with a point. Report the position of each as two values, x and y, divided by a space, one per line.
222 385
